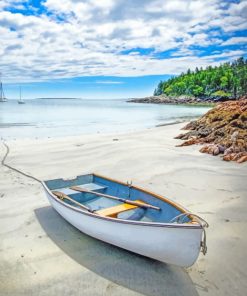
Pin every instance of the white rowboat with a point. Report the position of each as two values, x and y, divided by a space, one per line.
129 217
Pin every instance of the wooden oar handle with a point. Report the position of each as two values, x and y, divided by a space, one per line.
140 204
62 196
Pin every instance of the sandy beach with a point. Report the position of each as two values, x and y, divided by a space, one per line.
41 254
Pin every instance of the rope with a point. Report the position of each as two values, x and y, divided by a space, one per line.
204 224
14 169
204 243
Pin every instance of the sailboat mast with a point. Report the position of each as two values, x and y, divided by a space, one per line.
2 96
1 87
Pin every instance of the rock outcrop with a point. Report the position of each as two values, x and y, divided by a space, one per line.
222 130
163 99
183 99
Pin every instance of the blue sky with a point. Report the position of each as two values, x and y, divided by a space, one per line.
113 48
88 87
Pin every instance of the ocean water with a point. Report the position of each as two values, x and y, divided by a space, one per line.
68 117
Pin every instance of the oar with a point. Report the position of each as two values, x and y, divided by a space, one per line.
135 203
62 196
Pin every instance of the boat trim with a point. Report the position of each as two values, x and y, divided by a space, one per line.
167 200
192 225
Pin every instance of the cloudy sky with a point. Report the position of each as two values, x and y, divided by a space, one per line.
113 48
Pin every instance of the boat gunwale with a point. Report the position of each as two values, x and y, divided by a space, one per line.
156 195
191 225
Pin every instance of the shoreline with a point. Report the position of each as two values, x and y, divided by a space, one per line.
194 104
183 100
34 238
89 136
18 125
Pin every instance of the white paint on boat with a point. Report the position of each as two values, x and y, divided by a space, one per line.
172 243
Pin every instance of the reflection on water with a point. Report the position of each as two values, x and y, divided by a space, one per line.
54 117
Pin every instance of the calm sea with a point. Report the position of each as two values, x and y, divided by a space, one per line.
65 117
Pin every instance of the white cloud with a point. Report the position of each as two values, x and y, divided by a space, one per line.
235 40
93 35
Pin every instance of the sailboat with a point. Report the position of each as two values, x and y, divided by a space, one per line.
2 96
21 101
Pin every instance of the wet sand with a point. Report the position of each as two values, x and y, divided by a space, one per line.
41 254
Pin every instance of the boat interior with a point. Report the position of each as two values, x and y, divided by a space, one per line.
94 193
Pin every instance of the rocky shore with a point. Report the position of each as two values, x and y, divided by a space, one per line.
188 100
222 130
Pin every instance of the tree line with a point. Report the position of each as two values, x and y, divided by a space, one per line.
228 80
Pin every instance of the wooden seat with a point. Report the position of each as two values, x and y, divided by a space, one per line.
114 211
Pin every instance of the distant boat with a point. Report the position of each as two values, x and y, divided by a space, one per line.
21 101
129 217
2 96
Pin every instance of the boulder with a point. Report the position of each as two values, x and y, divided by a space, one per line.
242 159
223 129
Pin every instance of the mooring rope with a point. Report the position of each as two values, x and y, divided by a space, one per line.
14 169
202 222
186 214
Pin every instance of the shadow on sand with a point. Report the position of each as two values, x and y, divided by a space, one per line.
135 272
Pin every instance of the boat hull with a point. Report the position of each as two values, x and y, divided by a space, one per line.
169 243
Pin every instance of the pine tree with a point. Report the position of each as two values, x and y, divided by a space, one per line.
228 79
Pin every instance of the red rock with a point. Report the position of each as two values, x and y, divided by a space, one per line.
227 157
211 149
216 151
224 128
228 151
204 149
188 143
242 159
238 156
